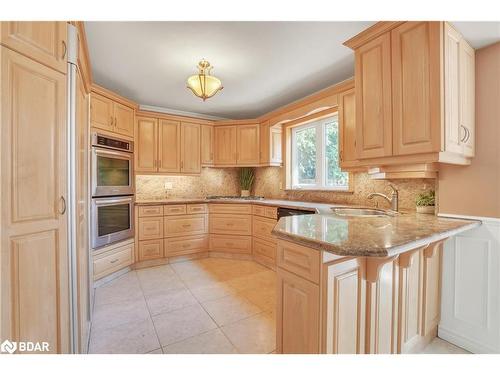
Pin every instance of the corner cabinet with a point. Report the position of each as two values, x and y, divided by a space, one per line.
237 145
109 115
270 144
414 84
167 147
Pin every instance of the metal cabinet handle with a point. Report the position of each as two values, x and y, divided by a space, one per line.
341 155
115 122
65 49
63 201
114 261
465 133
111 120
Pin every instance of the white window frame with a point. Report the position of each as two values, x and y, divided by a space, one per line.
321 174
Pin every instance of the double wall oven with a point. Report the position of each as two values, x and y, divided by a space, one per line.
112 186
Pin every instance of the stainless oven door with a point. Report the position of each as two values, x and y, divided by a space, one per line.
112 220
112 172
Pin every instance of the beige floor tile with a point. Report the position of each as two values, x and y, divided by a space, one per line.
157 351
256 334
264 298
211 291
159 271
230 309
159 284
115 314
129 338
258 280
440 346
181 324
118 291
212 342
169 300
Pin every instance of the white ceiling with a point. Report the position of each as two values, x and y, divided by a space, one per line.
262 65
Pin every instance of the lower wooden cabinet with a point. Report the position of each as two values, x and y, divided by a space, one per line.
113 258
264 252
297 315
231 224
185 245
185 225
230 244
150 249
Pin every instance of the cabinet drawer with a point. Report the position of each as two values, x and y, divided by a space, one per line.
262 228
264 211
150 249
197 209
177 209
229 208
231 224
264 249
150 228
259 210
272 212
299 260
185 245
114 260
185 225
231 244
145 211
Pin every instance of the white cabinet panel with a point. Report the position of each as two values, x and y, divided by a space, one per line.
470 301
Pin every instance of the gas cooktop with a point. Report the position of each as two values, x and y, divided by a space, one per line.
252 197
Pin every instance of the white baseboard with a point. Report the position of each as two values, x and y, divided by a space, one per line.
464 342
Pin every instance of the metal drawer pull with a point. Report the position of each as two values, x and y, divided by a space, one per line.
65 49
63 201
465 133
186 225
229 244
230 224
114 261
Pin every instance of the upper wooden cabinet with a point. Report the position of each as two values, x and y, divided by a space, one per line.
44 42
347 129
207 145
109 115
237 145
167 146
270 144
414 85
373 98
225 145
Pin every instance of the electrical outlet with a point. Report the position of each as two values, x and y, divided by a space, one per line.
168 186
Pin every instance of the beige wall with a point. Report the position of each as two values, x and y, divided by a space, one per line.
475 189
212 181
267 183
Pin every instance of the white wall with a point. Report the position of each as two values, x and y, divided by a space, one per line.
470 302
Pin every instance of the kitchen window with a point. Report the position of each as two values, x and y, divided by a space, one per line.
315 156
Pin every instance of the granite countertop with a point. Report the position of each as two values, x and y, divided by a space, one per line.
364 236
313 206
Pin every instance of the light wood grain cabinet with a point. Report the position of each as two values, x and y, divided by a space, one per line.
247 144
42 41
270 144
347 129
167 147
150 228
227 243
150 249
297 314
231 224
374 98
185 225
34 277
467 79
106 114
207 145
225 145
113 258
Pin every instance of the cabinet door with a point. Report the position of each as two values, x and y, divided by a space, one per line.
373 98
225 145
453 133
207 145
190 148
265 143
275 143
101 112
35 304
247 144
416 72
347 127
297 320
345 307
123 119
146 136
169 146
467 96
44 42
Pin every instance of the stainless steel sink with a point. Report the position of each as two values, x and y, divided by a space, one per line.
363 212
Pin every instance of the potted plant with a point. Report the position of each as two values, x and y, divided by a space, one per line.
246 181
425 202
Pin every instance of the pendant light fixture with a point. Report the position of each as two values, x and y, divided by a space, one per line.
204 85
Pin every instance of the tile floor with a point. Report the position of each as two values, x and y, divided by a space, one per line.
209 305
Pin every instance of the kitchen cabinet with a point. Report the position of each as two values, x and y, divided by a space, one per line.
270 144
41 41
112 258
34 256
111 116
225 145
297 328
167 146
414 89
347 129
207 145
237 145
373 98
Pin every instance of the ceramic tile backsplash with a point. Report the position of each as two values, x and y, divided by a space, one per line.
267 183
212 181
